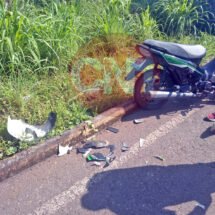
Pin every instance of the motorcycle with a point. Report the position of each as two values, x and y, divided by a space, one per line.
171 70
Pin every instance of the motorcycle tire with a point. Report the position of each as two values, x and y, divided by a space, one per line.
140 91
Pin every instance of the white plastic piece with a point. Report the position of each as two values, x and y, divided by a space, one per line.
26 132
142 142
17 128
87 153
138 121
64 150
96 163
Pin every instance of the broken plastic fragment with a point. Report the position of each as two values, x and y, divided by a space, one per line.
124 147
109 158
159 157
138 121
64 150
96 157
142 142
87 153
96 144
111 148
82 150
25 132
114 130
99 156
95 163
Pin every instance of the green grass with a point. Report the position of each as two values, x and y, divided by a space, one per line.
32 98
182 17
39 40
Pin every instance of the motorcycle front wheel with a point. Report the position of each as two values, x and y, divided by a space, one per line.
146 82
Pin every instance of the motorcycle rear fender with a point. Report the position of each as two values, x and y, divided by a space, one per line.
137 68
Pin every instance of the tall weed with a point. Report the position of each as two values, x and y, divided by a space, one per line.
181 17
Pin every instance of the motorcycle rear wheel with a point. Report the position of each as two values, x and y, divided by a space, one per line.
146 82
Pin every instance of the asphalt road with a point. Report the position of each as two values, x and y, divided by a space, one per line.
172 173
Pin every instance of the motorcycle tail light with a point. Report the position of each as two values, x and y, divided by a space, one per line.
143 50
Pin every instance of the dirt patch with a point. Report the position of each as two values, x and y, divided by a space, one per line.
102 66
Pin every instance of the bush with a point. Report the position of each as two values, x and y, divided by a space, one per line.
182 17
35 39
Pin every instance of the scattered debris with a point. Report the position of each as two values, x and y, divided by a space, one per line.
62 150
111 148
142 142
96 157
25 132
159 158
82 150
114 130
138 121
124 147
109 158
86 153
95 163
96 144
200 205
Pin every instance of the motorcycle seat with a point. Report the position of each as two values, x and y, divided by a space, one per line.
190 52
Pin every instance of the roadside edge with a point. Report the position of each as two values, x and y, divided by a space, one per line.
35 154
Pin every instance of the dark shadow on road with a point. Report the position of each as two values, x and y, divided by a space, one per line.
149 190
207 133
183 106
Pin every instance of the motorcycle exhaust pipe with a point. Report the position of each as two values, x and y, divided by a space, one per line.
167 95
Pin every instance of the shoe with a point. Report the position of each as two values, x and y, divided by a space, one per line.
211 117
